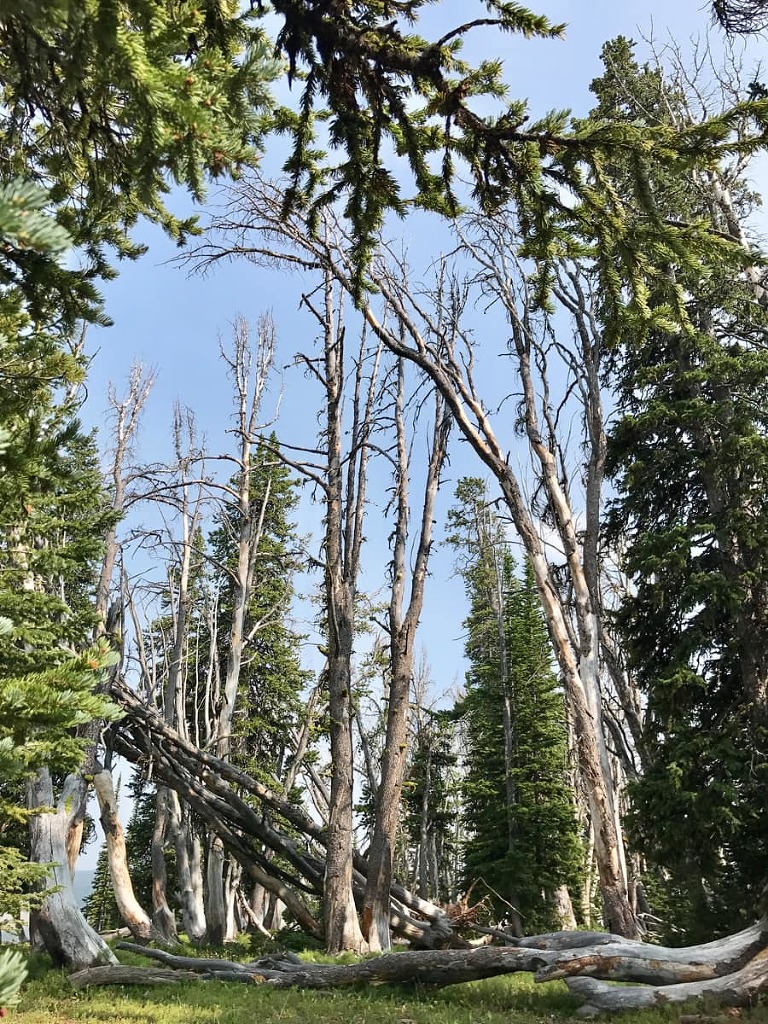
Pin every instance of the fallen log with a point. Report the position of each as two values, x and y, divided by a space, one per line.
433 968
737 989
629 961
119 974
729 971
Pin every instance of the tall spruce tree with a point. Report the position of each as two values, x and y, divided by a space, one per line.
689 455
523 842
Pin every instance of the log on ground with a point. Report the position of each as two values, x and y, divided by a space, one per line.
737 989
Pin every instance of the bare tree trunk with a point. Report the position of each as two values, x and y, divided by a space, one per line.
132 913
343 484
216 906
732 972
162 916
402 629
188 871
248 392
127 413
68 938
561 901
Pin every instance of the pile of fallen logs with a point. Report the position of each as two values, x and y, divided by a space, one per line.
730 971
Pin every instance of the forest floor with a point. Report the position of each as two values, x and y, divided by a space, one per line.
514 999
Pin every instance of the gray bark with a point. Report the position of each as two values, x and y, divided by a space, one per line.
403 625
67 936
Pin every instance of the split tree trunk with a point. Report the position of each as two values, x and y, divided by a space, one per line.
129 908
68 938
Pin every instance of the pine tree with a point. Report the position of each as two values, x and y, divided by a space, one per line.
374 83
689 455
104 104
523 841
430 804
271 678
100 907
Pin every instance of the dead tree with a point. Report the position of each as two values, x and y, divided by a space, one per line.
342 481
129 908
402 627
255 228
243 519
163 648
223 797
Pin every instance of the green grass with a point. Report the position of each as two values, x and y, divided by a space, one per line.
516 999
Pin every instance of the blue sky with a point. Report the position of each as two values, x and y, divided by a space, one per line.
172 322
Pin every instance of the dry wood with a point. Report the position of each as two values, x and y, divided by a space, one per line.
117 974
737 989
131 911
69 939
708 970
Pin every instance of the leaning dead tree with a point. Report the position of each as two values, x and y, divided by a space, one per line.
279 846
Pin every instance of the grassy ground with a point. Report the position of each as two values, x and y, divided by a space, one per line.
47 999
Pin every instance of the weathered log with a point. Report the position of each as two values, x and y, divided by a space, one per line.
190 963
608 964
439 968
434 968
706 970
119 974
736 989
569 940
726 954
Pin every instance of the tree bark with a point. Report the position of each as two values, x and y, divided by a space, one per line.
68 938
402 629
162 916
188 871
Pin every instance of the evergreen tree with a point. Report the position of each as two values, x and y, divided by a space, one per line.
100 906
523 841
430 803
374 83
54 514
689 455
271 678
104 104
